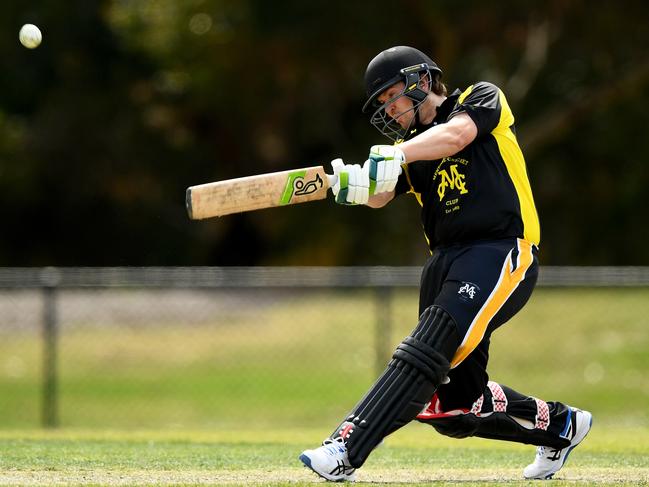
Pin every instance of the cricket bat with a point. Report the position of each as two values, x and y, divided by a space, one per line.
257 192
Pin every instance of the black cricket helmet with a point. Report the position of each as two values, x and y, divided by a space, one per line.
399 63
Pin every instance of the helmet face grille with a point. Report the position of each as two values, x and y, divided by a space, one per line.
387 124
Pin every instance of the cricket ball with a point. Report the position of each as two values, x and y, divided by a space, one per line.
30 36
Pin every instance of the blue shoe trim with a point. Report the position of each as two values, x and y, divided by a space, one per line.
590 424
306 461
564 433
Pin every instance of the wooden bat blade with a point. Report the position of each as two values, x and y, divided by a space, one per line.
256 192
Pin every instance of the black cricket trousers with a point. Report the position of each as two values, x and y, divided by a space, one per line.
481 285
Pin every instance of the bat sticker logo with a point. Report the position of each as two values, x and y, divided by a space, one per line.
302 188
295 185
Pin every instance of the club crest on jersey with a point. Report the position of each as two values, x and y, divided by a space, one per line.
454 180
468 290
296 186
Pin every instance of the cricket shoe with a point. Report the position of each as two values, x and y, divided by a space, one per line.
330 461
549 460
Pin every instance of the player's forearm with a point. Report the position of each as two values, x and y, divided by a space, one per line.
435 143
441 141
380 200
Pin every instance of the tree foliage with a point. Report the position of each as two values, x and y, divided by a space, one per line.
125 104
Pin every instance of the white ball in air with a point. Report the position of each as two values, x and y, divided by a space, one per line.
30 36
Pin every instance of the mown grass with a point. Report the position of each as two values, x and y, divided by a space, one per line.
413 456
234 400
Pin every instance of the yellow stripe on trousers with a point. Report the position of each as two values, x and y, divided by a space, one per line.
506 285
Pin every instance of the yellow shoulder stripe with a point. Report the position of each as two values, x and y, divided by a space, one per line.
464 94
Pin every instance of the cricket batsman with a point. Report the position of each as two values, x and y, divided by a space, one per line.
459 157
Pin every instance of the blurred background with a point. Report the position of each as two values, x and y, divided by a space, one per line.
128 102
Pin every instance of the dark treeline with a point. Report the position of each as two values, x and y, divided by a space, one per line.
125 104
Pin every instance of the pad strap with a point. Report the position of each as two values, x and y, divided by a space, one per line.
424 358
498 397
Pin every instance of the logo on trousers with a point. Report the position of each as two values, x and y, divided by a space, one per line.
468 290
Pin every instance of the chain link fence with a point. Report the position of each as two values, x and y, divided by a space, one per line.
275 347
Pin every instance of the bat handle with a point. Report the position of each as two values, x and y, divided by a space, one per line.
333 178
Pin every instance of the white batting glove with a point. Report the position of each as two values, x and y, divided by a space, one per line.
384 167
352 185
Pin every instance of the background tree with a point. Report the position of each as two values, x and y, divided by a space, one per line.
125 104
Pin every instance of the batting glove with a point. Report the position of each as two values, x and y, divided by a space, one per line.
353 183
384 167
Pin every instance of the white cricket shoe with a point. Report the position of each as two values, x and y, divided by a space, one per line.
549 460
330 461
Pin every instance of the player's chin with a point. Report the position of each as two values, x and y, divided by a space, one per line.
404 121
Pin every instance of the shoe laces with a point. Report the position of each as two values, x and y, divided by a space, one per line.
334 446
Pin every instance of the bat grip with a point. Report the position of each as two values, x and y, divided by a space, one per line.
333 178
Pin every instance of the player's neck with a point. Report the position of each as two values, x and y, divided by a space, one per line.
428 110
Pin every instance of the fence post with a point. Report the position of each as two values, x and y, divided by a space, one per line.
50 278
383 298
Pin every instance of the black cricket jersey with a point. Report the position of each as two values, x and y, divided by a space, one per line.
483 191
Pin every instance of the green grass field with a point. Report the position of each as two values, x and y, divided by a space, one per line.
235 398
412 456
